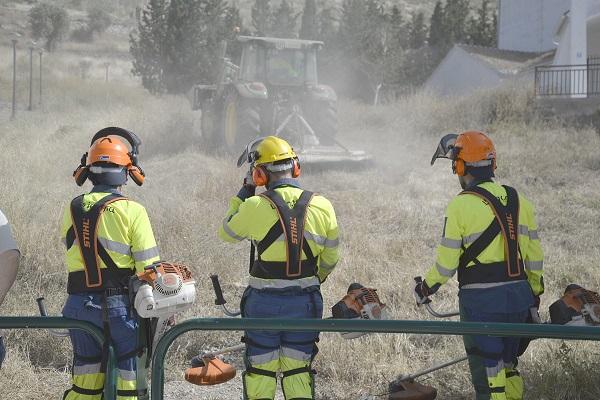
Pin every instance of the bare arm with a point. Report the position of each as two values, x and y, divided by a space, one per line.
9 263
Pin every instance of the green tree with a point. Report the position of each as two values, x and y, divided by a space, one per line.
49 22
178 43
417 31
148 46
456 14
283 23
261 17
438 31
309 28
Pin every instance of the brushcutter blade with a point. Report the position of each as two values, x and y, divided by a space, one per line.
209 371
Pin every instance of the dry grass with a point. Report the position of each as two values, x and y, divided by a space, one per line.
390 217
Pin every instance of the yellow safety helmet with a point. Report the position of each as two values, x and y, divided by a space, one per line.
272 149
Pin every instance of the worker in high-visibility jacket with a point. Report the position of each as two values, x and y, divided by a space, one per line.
296 237
491 240
108 238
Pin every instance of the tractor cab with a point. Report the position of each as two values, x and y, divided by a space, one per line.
279 62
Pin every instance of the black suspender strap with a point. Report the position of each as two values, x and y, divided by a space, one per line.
506 220
291 225
85 227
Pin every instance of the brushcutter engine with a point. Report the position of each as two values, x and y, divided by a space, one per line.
359 303
161 291
578 306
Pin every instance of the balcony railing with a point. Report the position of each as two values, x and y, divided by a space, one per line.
568 80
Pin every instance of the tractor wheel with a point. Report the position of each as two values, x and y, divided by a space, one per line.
241 122
325 122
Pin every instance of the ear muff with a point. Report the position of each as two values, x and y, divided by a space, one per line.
260 177
458 167
295 168
82 172
136 174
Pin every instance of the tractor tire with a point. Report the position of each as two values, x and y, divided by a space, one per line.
241 122
325 122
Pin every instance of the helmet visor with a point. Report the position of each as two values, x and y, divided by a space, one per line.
445 148
249 154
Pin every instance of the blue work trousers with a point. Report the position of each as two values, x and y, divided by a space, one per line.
88 360
270 352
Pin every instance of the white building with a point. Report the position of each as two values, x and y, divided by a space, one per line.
569 29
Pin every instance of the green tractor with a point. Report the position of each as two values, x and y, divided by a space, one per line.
274 91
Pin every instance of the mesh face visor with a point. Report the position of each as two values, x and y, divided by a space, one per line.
446 148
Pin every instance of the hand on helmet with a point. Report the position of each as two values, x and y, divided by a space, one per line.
248 187
421 293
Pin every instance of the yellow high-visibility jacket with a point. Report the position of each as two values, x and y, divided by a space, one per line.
124 230
467 216
253 218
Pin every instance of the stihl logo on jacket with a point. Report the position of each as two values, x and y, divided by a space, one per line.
86 232
293 230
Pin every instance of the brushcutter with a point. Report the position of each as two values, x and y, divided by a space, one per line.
405 387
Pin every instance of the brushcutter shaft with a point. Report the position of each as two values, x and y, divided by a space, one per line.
433 369
226 350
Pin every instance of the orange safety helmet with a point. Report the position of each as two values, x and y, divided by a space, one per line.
469 149
106 149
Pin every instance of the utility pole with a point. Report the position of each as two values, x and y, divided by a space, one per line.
41 52
14 92
30 108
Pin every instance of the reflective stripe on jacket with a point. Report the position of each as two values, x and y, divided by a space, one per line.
124 230
254 217
467 216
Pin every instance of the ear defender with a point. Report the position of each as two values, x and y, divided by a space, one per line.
82 172
136 174
458 167
260 176
296 168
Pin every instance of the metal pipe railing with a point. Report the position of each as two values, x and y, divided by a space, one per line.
340 325
110 387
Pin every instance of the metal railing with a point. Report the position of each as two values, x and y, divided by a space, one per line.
110 387
568 80
340 325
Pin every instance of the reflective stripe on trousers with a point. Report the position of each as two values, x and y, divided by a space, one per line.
290 353
87 376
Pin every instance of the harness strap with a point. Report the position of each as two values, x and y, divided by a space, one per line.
505 222
297 371
87 392
253 370
291 225
85 228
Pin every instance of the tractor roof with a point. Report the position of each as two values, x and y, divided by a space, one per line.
281 43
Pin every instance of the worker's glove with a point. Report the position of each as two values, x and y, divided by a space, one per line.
248 188
2 351
421 293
